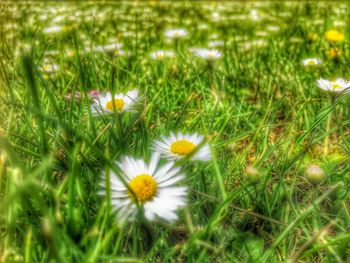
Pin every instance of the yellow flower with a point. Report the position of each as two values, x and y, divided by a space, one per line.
334 35
333 53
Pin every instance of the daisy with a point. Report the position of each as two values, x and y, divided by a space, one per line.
162 54
154 188
49 68
176 33
254 15
311 62
338 85
53 29
207 54
178 146
105 103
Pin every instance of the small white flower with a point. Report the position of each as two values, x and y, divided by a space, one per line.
178 146
207 54
176 33
311 62
162 54
105 103
338 85
49 68
53 29
154 188
254 15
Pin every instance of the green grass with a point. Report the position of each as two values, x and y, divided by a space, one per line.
258 106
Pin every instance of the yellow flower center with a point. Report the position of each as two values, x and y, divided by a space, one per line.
160 55
118 103
71 53
311 62
182 147
144 187
212 54
336 86
47 68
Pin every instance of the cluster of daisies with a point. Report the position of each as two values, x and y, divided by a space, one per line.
337 85
209 54
149 189
115 48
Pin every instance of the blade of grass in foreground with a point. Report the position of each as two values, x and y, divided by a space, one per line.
28 67
296 221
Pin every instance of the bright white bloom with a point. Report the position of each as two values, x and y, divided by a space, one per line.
162 54
207 54
254 15
338 85
178 146
105 103
176 33
154 188
53 29
311 62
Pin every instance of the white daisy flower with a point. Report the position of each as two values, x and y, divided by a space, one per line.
207 54
154 188
176 33
52 29
162 54
178 146
49 68
254 15
311 62
105 103
338 85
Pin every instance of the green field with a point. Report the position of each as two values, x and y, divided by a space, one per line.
174 131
